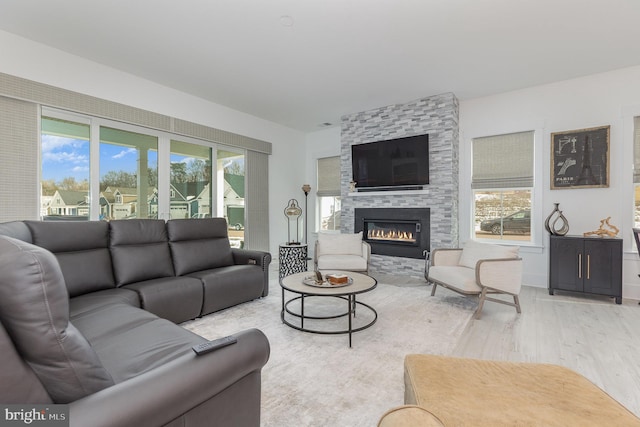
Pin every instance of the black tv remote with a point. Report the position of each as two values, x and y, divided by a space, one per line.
209 346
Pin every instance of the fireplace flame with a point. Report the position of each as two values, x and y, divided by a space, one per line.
401 236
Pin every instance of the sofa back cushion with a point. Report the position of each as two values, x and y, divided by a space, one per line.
17 230
339 244
199 244
140 250
82 249
475 251
34 309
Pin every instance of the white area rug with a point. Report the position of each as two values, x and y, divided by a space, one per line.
317 380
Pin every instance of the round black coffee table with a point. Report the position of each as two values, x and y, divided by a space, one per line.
294 283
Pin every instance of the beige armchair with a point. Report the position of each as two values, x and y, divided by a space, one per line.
478 269
341 252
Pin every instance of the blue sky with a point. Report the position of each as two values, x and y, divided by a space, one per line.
64 157
67 157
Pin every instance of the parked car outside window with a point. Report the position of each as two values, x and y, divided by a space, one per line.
519 222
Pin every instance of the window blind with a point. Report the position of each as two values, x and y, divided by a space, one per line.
328 176
636 150
503 161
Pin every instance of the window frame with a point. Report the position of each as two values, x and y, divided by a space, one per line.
467 204
320 194
629 113
164 145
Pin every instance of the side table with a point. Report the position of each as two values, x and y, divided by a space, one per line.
292 259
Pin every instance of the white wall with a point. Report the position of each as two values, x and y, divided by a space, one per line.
34 61
319 144
611 98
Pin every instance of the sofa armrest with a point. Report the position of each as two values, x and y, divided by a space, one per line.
445 256
248 256
504 274
158 397
259 258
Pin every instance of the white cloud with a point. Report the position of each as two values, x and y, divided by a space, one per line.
52 143
124 153
65 157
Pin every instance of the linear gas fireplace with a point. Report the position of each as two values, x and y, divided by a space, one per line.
402 232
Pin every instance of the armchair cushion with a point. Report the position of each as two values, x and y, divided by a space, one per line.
340 244
463 279
342 262
474 251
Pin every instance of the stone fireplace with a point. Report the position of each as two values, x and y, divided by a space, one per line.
438 117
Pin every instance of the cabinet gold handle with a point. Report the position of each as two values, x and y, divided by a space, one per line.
588 267
579 266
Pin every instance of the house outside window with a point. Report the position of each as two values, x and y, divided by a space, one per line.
65 151
502 184
328 194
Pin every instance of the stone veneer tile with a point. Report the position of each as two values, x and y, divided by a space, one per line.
435 115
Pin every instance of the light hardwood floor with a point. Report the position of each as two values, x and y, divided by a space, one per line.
589 334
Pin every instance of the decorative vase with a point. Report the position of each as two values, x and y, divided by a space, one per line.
564 229
553 218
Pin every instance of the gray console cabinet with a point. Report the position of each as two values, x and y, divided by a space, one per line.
591 265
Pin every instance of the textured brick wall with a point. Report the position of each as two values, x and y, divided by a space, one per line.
435 115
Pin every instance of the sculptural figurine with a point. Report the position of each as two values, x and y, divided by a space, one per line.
601 230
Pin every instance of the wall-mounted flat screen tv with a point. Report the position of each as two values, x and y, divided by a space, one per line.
401 162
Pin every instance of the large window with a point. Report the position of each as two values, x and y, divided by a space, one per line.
128 174
230 179
190 180
65 169
502 185
328 194
133 172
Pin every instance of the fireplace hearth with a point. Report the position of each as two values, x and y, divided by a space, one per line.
402 232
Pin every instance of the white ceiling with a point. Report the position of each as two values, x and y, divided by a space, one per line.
305 62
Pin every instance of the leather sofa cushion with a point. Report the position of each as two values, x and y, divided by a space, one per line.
34 309
130 341
228 286
82 249
140 250
19 383
95 300
177 299
199 244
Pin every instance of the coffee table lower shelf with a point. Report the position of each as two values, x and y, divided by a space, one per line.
351 312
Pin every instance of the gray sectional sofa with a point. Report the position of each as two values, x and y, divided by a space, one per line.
88 314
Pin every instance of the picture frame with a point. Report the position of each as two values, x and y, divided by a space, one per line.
580 158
